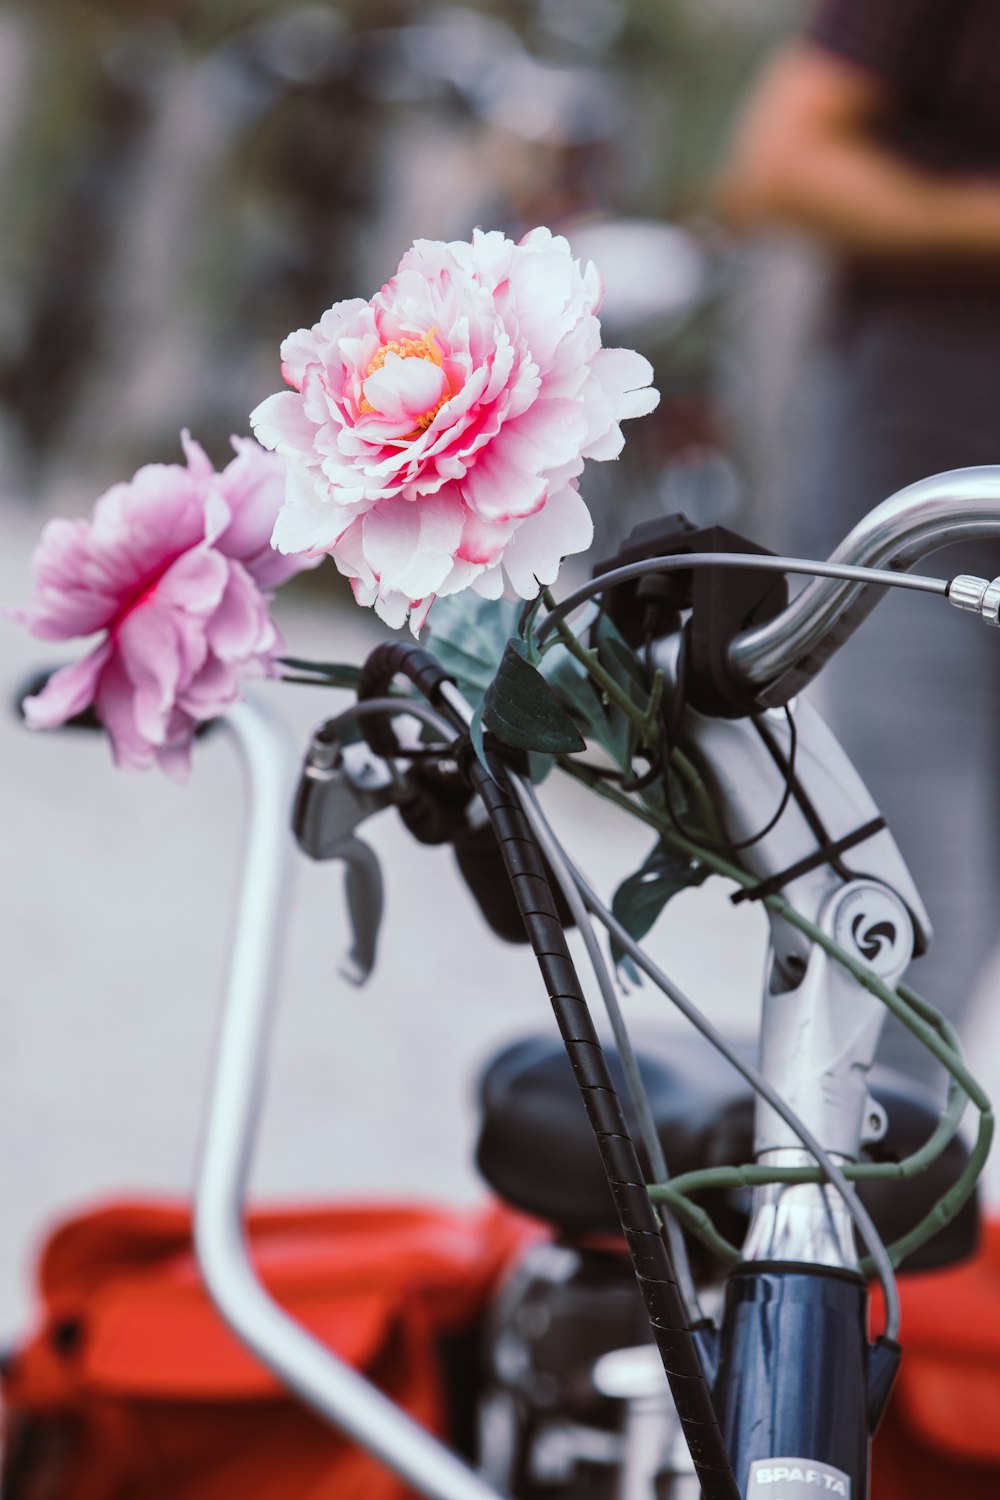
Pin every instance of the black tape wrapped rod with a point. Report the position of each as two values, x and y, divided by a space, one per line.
641 1228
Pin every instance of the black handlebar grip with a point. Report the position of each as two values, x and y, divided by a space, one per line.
424 671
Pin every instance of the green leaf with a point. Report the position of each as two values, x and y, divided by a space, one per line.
596 718
522 710
334 673
584 702
476 737
526 626
539 766
641 897
577 694
624 664
469 635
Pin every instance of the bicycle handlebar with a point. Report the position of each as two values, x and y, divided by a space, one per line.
300 1361
784 654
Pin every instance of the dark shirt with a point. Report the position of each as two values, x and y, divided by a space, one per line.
939 61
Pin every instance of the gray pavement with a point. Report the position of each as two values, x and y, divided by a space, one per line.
117 899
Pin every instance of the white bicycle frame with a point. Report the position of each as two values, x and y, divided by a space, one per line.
833 1025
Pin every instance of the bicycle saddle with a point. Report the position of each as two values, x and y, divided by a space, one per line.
537 1151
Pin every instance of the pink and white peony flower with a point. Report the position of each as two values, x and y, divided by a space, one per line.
173 569
434 435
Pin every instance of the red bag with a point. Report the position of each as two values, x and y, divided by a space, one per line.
941 1434
134 1388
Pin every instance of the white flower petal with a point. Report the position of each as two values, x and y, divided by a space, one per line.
405 389
489 583
308 522
280 423
563 526
409 546
392 608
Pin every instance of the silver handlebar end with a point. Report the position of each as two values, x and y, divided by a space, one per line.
978 595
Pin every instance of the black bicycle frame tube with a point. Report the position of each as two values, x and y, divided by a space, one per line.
800 1390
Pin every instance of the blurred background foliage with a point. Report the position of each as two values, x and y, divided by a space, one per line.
184 181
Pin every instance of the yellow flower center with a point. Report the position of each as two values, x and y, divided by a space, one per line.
425 348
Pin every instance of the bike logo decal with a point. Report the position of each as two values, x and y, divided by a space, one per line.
796 1479
870 921
870 942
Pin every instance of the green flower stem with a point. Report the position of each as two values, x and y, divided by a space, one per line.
698 791
603 679
694 1218
651 718
339 674
333 683
915 1012
324 682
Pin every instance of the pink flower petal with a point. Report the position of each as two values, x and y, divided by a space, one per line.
149 651
498 489
215 687
545 288
198 462
482 541
195 582
238 625
419 610
170 566
253 486
351 561
115 705
68 692
298 351
175 759
549 434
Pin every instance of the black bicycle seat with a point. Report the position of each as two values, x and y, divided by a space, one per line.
537 1151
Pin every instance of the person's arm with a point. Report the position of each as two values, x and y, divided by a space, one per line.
808 157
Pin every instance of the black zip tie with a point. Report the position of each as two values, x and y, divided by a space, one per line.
826 854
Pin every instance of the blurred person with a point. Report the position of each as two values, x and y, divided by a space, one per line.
876 132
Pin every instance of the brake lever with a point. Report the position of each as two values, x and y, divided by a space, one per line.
340 786
363 889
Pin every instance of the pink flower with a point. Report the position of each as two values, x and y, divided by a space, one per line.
434 435
171 568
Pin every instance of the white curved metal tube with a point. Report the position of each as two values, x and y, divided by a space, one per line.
300 1362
